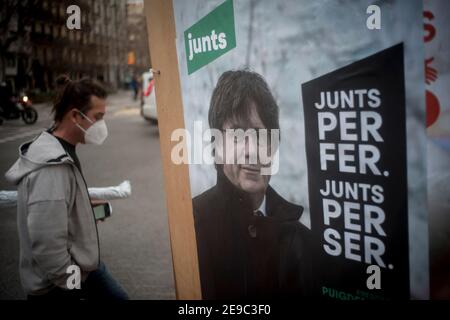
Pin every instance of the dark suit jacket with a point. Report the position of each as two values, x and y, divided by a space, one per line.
246 256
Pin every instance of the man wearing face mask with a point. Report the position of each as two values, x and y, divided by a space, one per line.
57 228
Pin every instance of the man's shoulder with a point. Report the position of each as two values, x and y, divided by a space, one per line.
205 203
56 176
54 168
281 208
51 182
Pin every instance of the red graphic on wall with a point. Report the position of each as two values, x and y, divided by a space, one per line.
431 74
433 108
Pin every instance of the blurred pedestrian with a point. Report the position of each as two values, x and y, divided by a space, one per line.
135 86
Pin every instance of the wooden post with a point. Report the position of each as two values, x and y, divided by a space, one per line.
163 52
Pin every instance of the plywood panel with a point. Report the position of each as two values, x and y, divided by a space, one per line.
161 33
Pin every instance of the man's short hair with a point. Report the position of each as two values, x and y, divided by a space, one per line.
75 94
233 95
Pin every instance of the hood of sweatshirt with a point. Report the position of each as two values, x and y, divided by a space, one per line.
44 150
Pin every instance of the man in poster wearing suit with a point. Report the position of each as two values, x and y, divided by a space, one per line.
250 241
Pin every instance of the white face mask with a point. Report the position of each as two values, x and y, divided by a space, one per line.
96 133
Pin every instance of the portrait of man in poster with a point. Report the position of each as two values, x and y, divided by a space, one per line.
250 241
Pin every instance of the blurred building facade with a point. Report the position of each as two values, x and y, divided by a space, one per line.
138 53
36 44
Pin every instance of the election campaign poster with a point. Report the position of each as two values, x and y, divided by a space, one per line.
305 135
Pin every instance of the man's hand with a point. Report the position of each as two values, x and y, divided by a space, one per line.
97 202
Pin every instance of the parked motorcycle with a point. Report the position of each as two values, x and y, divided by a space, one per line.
24 109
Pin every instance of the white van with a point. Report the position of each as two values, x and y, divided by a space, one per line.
148 100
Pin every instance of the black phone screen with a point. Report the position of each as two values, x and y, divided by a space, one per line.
102 211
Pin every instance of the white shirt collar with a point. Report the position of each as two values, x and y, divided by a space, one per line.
262 207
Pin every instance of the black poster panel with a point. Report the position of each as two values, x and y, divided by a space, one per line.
355 131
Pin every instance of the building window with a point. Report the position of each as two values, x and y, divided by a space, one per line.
65 54
55 32
40 55
48 29
62 11
10 61
37 27
63 32
49 54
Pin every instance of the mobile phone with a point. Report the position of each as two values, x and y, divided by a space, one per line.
102 211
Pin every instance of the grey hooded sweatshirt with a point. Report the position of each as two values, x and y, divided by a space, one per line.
55 220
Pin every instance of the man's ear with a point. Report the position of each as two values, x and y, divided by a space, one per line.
73 115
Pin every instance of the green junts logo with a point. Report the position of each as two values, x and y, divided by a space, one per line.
210 37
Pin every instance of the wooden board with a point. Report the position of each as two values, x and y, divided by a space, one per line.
161 37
